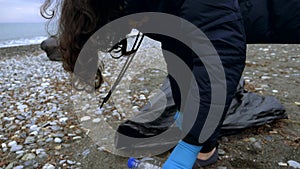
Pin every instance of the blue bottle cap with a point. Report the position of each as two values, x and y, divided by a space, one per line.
131 162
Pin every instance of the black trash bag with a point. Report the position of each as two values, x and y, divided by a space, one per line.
246 110
159 116
249 109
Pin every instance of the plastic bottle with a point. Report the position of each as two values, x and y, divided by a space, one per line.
144 163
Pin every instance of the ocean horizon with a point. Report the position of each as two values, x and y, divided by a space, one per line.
22 34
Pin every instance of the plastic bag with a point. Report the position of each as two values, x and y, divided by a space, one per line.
246 110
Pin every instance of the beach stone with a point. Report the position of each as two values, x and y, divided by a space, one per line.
85 118
34 133
86 152
57 140
222 167
221 152
20 117
15 148
257 146
29 140
20 152
50 139
40 142
59 135
55 128
18 167
50 46
29 156
12 143
43 155
225 139
281 164
19 156
3 145
33 128
252 139
61 162
48 166
23 135
96 120
30 163
77 138
10 165
63 120
71 162
265 77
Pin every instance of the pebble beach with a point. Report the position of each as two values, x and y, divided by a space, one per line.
42 124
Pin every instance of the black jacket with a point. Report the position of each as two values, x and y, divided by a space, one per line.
221 22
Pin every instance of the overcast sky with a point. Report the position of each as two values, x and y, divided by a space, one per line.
20 11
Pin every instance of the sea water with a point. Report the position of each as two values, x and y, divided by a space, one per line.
20 34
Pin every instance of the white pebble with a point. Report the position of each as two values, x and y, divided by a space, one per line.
142 97
48 166
281 164
3 145
86 118
265 77
12 143
77 138
97 120
18 167
294 164
57 140
33 128
71 162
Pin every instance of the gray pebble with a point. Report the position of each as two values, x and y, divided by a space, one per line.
252 139
225 139
61 162
71 162
15 148
221 152
257 146
20 117
43 155
29 156
86 152
20 152
10 165
222 167
50 139
12 127
29 163
48 166
60 135
33 128
40 142
23 135
19 167
55 128
29 140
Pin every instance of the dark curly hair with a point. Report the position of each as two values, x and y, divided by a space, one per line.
78 21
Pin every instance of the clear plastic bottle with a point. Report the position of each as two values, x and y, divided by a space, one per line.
144 163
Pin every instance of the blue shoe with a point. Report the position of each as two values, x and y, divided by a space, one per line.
202 163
